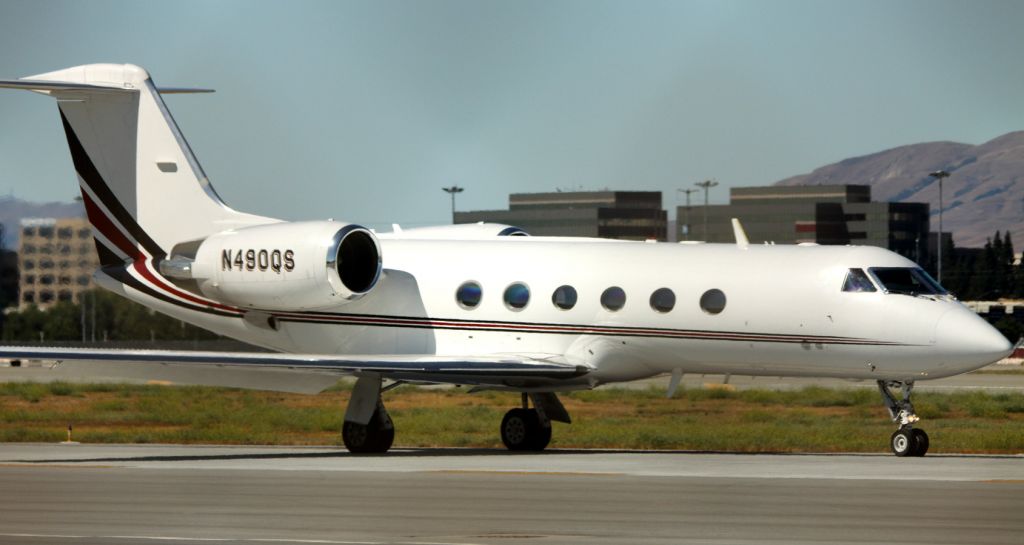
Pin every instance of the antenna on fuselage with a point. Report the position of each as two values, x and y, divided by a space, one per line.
740 234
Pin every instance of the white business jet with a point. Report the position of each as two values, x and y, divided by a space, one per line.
474 305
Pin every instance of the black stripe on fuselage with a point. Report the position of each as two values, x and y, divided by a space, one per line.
566 329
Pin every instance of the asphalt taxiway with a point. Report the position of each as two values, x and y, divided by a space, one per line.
131 494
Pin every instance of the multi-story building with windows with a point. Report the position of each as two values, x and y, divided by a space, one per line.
631 215
825 214
56 259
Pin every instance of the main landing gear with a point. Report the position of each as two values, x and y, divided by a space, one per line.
368 428
529 429
376 436
907 440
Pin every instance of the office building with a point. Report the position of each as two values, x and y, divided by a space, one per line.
823 214
56 258
630 215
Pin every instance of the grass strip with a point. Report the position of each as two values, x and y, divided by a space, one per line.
808 420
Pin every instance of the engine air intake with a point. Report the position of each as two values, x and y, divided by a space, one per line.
356 258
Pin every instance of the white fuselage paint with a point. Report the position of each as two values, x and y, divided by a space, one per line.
786 313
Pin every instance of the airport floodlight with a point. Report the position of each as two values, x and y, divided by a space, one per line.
939 175
686 224
452 191
706 185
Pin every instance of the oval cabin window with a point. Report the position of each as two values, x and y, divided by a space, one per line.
613 298
517 296
564 297
469 294
663 300
713 301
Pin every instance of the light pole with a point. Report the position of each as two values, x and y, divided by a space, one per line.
686 226
939 175
452 191
707 185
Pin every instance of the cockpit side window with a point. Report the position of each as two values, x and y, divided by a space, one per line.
857 281
931 282
906 281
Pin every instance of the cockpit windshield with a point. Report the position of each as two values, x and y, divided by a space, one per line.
906 281
857 281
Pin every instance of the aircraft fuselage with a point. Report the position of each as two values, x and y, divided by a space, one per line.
785 312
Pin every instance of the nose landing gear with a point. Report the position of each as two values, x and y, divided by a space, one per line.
907 440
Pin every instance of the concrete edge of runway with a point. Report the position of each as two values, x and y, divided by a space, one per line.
856 466
399 450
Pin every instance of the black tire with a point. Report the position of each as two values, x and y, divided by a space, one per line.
521 430
541 436
373 438
385 433
920 442
515 429
356 437
902 443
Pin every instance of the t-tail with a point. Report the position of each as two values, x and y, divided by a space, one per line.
142 187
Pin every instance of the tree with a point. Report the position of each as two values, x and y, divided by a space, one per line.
1019 280
998 284
117 319
981 285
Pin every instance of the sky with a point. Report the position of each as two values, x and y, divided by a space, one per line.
363 111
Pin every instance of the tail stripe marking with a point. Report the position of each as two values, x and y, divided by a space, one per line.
124 276
91 176
108 227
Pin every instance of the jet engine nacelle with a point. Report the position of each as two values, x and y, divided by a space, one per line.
284 266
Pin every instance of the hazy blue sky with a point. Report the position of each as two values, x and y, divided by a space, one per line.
362 111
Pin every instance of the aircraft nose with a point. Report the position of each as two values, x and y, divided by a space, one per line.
968 341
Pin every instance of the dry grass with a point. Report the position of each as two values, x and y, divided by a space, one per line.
809 420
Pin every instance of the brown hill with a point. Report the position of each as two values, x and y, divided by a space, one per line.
984 193
13 210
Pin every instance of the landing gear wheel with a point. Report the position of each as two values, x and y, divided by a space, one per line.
920 442
521 429
375 437
902 443
907 440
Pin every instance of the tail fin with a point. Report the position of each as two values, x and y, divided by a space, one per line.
143 188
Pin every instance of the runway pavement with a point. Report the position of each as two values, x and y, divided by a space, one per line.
131 494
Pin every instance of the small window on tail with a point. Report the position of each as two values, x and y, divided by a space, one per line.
857 281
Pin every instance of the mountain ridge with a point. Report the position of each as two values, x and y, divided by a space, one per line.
984 192
13 210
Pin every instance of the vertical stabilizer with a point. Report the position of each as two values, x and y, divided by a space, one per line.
143 188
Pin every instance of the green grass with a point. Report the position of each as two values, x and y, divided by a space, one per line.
808 420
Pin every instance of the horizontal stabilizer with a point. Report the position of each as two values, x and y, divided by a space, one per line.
182 90
47 86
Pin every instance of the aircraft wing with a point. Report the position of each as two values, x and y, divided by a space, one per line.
305 373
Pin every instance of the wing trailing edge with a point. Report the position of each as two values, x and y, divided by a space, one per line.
515 371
